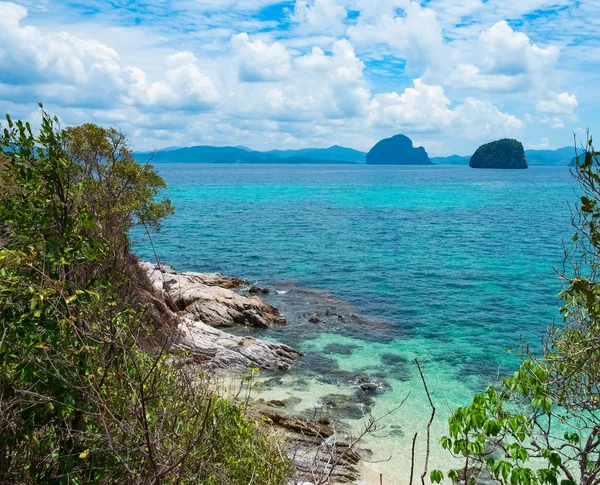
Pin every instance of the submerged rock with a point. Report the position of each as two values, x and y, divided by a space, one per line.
341 349
255 290
348 406
504 153
397 150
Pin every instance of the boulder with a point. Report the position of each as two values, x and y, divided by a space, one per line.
226 351
397 150
504 153
208 298
191 305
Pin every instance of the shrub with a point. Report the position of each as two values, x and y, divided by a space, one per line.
88 389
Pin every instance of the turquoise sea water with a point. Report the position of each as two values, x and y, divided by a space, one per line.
455 264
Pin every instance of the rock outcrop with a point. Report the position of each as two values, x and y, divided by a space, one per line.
317 447
397 150
196 303
222 350
504 153
208 298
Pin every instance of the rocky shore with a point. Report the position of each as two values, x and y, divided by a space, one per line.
201 305
205 302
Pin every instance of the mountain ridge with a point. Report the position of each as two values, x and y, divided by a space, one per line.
334 154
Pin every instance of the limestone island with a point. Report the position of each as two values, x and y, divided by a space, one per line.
504 153
397 150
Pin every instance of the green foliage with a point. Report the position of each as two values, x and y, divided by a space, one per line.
80 401
504 153
542 425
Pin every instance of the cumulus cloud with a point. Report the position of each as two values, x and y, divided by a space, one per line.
424 108
305 77
184 86
504 60
319 15
74 71
558 104
510 53
319 85
259 62
415 35
30 57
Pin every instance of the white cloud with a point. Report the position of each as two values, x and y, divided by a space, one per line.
503 61
184 86
424 108
511 53
558 104
303 83
74 71
318 85
260 62
30 57
320 15
415 36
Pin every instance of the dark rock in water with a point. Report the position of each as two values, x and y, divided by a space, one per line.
397 150
368 387
401 366
341 349
505 153
393 359
299 304
274 382
319 364
280 403
346 406
255 290
294 401
396 431
277 403
314 319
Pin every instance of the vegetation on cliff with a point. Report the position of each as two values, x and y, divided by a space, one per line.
504 153
397 150
542 425
88 389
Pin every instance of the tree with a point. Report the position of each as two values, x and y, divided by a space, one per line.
542 425
88 389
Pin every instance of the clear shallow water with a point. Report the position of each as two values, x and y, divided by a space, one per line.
457 262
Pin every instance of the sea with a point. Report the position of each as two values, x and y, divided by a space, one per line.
374 267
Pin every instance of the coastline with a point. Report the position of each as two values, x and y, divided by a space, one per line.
202 304
314 370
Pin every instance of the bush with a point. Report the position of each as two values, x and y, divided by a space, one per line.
88 389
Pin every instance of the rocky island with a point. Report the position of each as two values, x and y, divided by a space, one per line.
397 150
504 153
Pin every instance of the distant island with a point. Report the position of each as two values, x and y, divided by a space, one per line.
240 154
397 150
551 158
332 155
505 153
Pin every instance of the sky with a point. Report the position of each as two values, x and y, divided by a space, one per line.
450 74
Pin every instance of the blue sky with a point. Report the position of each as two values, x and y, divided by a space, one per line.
451 74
